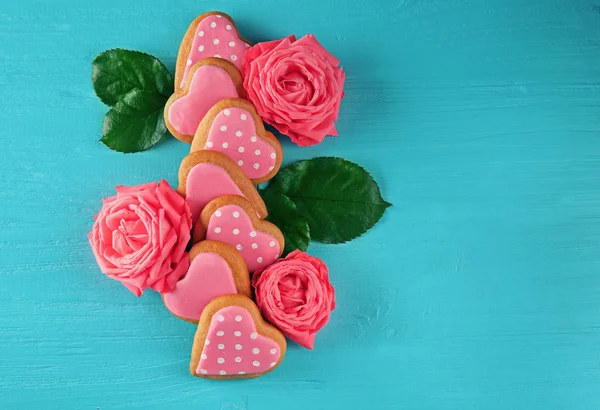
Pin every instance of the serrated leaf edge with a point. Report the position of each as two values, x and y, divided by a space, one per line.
134 86
385 203
162 138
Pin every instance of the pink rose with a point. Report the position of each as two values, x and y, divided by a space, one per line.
296 86
295 295
140 235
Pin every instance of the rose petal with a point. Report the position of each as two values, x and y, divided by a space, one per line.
139 237
296 86
295 295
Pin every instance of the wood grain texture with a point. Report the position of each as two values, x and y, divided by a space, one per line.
480 288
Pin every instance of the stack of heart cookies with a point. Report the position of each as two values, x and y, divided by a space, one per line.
230 153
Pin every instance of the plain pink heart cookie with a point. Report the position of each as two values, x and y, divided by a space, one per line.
233 127
206 175
234 342
216 269
233 220
210 80
212 34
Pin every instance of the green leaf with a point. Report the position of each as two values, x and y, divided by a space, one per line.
136 85
135 123
283 213
338 198
117 73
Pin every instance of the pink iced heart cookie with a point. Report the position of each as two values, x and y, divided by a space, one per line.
233 127
216 269
233 220
210 80
206 175
234 342
212 34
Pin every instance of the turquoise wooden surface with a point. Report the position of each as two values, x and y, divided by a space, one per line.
480 289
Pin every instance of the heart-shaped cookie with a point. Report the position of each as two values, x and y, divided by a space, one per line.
233 220
210 80
234 342
233 127
212 34
216 269
206 175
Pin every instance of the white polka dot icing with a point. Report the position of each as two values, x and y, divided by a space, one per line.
211 28
199 194
255 246
253 353
232 130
